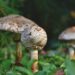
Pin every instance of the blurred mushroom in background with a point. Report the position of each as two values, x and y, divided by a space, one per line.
68 36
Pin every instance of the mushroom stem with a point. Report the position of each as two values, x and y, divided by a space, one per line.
72 54
18 53
34 56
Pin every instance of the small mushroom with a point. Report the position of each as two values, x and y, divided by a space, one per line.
29 33
69 36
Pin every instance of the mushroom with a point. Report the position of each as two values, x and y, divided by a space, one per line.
69 36
26 31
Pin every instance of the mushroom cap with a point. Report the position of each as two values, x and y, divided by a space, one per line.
68 34
32 35
15 23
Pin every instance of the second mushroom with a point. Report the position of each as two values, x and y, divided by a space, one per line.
68 35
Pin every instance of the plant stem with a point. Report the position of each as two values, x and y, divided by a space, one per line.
18 52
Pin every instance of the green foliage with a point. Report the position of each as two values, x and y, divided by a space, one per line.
69 67
5 9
